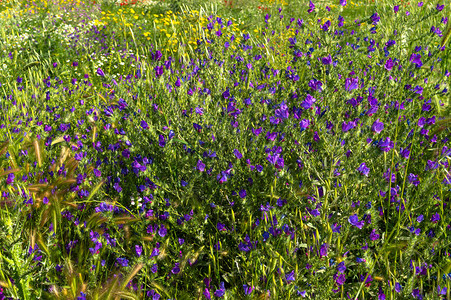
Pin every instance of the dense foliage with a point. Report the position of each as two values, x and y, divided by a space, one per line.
232 150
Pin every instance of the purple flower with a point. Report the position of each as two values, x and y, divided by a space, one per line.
340 279
416 59
398 287
389 64
162 231
100 72
351 84
323 250
282 111
276 160
154 268
122 261
341 267
221 291
346 126
435 218
312 7
157 56
416 294
226 94
223 176
175 269
418 90
290 276
363 169
243 193
375 18
327 60
155 252
161 140
237 153
420 218
336 228
221 227
159 71
257 131
315 85
442 291
117 187
373 235
343 2
308 102
144 125
304 124
405 152
439 7
381 295
10 178
354 221
248 289
139 250
200 166
386 145
207 294
368 279
197 127
316 136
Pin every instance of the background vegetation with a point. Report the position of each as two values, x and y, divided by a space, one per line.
236 150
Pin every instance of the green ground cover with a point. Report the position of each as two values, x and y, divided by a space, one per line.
236 150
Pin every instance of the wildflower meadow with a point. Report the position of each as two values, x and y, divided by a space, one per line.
225 149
